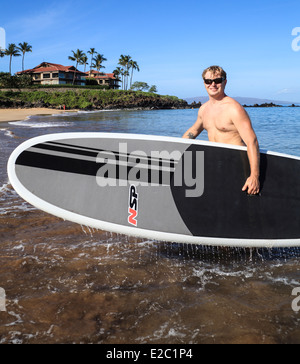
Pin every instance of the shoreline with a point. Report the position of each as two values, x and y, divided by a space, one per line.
10 115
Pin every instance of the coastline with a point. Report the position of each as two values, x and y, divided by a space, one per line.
9 115
87 99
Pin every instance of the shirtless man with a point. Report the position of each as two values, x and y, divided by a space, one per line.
226 121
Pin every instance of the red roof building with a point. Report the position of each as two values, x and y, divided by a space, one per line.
105 79
48 73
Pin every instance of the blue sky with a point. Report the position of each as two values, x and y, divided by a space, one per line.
171 40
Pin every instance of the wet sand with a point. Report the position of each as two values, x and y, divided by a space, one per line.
69 284
9 115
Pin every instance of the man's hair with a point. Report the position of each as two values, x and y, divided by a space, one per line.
214 70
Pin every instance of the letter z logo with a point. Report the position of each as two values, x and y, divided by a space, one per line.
133 206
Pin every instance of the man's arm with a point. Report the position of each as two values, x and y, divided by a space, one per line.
196 129
252 183
245 129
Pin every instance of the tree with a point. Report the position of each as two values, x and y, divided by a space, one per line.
6 80
12 51
24 48
124 61
98 62
117 72
126 75
122 64
134 66
85 61
140 86
78 58
92 51
2 53
152 89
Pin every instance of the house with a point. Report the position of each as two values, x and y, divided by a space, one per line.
48 73
105 79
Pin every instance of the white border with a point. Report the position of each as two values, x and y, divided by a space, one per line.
120 229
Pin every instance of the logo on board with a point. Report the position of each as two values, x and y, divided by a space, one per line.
133 206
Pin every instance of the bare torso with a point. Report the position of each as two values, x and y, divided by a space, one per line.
216 119
226 121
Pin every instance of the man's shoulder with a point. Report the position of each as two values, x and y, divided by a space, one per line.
234 104
204 106
232 101
227 100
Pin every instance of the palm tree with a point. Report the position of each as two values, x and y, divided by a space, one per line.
126 75
124 61
92 51
98 62
78 58
24 48
117 72
85 61
134 66
12 51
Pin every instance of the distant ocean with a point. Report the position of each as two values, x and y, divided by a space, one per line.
250 101
67 283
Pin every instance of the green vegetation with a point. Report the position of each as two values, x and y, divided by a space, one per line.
8 81
127 64
12 51
88 99
143 86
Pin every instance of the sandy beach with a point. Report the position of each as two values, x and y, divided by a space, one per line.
7 115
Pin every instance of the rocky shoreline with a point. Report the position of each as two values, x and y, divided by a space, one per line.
89 100
269 104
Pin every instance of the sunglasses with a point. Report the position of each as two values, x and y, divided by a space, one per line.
217 81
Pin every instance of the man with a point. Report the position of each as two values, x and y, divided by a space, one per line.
226 121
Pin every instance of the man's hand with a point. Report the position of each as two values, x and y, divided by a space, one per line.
253 186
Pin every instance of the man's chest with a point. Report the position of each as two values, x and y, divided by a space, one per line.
217 119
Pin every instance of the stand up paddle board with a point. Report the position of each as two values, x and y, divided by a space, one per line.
160 188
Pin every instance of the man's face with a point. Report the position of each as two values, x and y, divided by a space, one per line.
214 89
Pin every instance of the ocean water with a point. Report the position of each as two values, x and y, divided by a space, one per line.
66 283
